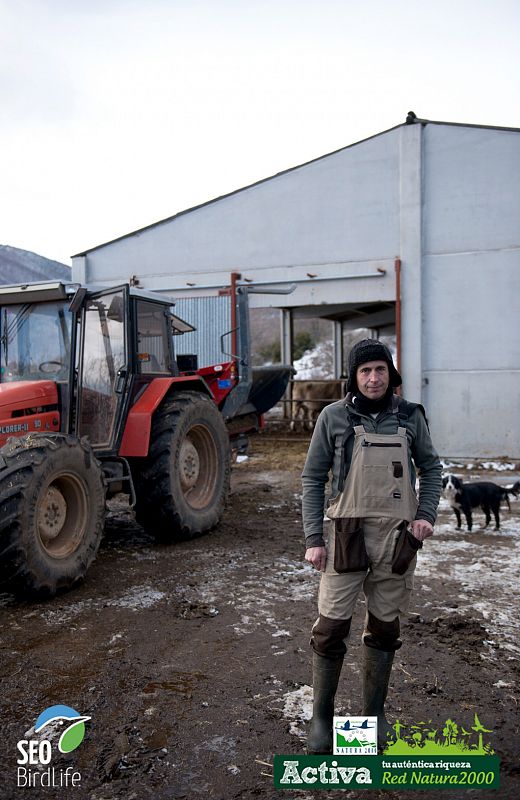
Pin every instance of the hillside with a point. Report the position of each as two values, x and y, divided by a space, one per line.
22 266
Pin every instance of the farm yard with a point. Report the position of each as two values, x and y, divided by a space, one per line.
192 660
251 202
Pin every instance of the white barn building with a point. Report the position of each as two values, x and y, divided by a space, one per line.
417 227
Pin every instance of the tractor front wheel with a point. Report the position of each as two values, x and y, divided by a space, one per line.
52 510
183 484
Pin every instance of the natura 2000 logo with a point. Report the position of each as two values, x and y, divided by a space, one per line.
62 727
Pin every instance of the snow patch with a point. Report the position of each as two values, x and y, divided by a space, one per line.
298 709
490 466
138 597
316 363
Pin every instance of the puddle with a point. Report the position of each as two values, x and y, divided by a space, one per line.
224 745
179 682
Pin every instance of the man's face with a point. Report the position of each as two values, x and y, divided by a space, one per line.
373 379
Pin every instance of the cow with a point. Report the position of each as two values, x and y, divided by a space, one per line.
311 397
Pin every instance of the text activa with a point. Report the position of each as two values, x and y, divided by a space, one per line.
324 774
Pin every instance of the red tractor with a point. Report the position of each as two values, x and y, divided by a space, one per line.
94 401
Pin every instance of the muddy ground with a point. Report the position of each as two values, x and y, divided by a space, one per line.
192 660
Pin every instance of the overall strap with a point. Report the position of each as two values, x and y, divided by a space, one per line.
404 411
353 417
353 421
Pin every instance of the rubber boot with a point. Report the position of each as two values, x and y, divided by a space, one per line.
377 666
325 678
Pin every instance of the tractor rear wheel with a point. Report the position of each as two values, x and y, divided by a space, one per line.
52 511
183 484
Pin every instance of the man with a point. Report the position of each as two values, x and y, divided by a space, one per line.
371 441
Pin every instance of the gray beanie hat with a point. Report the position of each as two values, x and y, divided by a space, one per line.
370 350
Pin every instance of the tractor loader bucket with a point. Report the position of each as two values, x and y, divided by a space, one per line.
269 385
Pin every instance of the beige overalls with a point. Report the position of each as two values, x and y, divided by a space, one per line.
376 499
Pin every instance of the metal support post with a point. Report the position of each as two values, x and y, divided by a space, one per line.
286 340
338 348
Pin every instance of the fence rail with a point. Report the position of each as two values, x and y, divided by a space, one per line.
286 405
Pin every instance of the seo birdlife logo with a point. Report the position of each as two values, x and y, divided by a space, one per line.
74 723
56 722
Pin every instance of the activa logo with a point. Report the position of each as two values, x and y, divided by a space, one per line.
56 722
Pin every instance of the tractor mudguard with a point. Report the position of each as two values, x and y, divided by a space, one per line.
136 436
28 407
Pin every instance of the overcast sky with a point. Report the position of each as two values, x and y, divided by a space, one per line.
117 113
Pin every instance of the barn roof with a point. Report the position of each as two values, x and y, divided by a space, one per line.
415 120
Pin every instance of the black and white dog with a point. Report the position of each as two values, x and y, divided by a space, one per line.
466 496
515 489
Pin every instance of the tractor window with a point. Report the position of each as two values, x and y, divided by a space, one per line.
103 358
35 342
152 341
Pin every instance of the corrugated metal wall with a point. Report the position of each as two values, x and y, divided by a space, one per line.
212 318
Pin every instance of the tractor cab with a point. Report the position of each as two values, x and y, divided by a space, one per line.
72 359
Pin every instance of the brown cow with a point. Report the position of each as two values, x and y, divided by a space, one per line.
311 397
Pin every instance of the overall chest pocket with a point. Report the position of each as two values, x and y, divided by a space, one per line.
380 453
382 470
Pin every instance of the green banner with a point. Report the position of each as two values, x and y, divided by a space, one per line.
386 772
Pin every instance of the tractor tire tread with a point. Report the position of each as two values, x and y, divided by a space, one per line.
22 570
156 508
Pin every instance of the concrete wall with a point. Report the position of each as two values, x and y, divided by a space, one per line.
471 289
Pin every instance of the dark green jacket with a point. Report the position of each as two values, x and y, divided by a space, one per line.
329 452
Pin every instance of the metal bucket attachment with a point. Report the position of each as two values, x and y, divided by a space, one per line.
269 385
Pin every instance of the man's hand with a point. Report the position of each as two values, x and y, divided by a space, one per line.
317 556
421 529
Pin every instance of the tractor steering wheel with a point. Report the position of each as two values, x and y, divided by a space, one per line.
50 366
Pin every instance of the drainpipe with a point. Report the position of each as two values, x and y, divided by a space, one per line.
397 265
235 277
